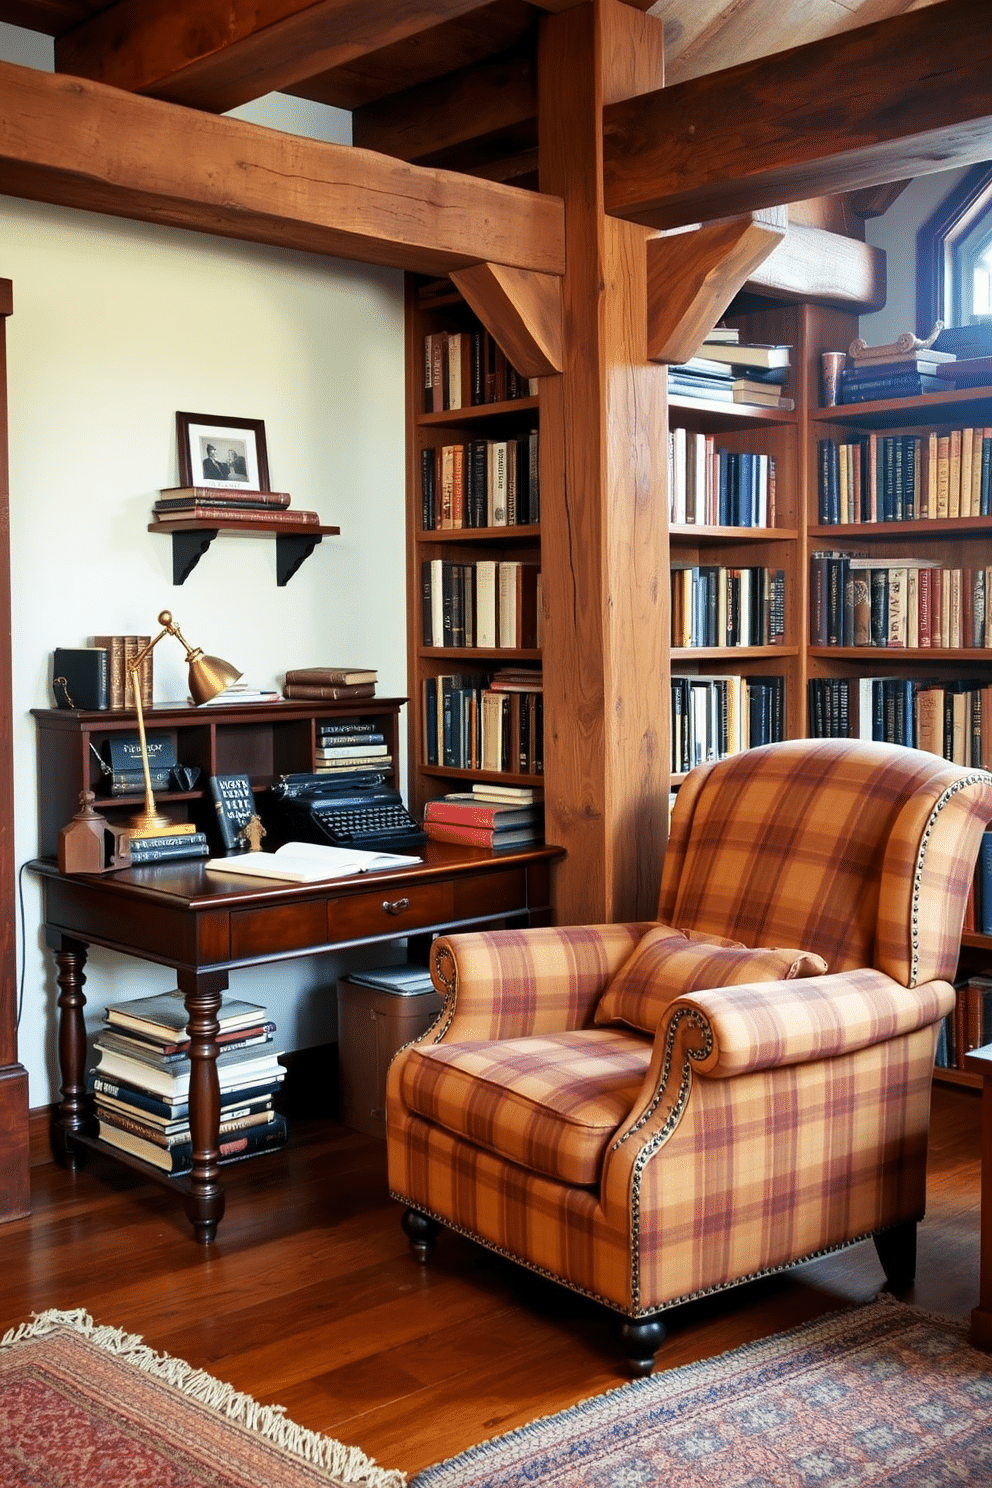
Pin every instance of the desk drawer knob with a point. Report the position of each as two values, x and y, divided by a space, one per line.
395 906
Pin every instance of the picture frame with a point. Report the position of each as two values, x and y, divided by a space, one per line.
228 454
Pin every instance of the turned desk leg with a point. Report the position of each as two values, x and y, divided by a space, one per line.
205 1198
72 1112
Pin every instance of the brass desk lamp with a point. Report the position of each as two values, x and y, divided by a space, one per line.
208 676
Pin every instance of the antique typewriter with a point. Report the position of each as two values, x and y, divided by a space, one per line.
355 811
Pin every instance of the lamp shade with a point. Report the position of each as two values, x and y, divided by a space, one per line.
209 675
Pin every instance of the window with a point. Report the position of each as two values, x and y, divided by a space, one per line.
954 256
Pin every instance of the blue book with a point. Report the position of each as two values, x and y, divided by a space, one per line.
983 885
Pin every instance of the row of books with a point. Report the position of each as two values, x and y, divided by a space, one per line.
350 744
121 651
902 603
493 604
980 906
141 1081
950 719
474 723
716 606
463 369
905 477
710 486
968 1025
181 504
713 717
478 821
482 483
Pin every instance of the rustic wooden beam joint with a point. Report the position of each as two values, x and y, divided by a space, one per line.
521 310
693 276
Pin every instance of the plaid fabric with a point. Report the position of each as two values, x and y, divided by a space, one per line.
551 1103
667 964
510 983
760 1171
773 1122
834 845
756 1027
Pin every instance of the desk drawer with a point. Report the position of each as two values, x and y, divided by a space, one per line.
490 894
394 910
278 929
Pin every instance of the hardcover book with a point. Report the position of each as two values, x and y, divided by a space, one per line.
81 677
234 805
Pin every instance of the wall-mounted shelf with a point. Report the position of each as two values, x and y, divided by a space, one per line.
294 542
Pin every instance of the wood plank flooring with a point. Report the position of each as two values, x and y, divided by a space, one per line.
310 1298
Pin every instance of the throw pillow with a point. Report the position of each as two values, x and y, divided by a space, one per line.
670 963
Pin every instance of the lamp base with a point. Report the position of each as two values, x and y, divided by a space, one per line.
158 826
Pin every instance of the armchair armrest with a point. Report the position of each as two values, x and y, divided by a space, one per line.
501 984
764 1024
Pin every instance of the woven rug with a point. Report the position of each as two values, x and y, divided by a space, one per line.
87 1406
884 1394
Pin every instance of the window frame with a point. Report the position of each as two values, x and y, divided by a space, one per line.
937 242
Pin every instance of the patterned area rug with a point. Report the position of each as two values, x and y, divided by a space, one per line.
85 1406
884 1394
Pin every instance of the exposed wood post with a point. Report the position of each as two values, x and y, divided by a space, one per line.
603 496
14 1182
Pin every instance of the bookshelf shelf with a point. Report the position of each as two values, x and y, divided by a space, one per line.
518 533
475 412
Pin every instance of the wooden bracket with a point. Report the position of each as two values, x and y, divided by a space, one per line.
522 310
293 547
693 276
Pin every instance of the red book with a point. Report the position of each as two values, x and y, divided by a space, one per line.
492 837
263 516
479 814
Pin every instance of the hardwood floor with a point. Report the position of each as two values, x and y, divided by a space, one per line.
311 1299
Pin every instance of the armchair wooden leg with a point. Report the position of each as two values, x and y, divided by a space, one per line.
897 1252
421 1233
641 1339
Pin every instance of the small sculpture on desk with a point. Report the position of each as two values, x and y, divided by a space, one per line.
89 844
252 832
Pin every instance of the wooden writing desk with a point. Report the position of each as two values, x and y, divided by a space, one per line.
206 924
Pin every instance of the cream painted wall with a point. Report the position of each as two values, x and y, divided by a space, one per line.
117 325
896 231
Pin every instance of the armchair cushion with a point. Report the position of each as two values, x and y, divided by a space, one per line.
669 963
548 1103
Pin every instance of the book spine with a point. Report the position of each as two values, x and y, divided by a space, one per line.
294 517
132 782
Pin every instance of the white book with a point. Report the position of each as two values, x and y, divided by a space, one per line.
308 862
485 603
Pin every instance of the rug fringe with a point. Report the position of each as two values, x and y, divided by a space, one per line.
349 1464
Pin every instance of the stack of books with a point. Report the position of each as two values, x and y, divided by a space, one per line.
875 372
756 370
141 1081
701 377
331 683
348 744
488 816
177 506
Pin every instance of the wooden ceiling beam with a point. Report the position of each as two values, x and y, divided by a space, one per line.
79 144
467 105
902 98
218 54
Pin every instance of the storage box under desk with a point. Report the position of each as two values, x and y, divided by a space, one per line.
373 1023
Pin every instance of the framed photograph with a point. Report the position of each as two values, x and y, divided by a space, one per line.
228 453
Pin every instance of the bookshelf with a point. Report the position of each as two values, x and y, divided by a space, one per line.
450 566
260 740
952 543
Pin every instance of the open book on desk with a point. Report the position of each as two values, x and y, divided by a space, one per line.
309 862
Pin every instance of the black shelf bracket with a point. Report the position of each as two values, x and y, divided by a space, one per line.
187 550
292 549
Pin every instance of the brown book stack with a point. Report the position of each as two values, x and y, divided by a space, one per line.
330 684
179 505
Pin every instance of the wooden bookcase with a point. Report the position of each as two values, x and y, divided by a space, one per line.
260 740
429 312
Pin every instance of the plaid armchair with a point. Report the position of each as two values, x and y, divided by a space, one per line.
648 1116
